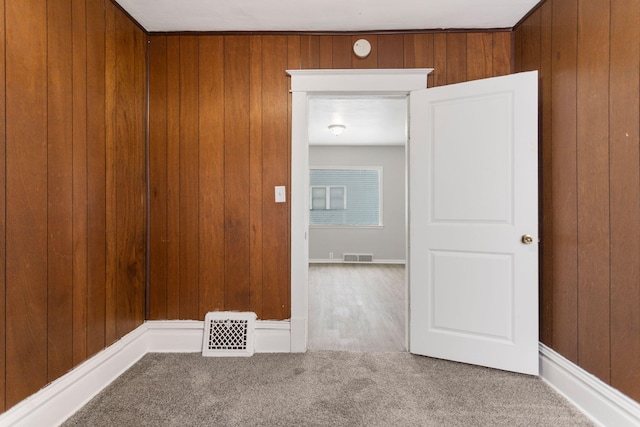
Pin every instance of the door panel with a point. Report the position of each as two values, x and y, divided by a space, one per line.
473 194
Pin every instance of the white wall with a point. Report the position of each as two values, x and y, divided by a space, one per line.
386 243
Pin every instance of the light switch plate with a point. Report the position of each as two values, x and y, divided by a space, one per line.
281 194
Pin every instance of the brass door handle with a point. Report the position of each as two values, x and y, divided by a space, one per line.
526 239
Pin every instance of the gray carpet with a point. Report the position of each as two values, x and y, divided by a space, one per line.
322 389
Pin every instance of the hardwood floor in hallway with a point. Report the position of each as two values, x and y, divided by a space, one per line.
357 307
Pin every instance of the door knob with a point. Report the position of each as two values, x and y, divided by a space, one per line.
526 239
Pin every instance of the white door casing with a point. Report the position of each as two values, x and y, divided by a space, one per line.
330 82
473 177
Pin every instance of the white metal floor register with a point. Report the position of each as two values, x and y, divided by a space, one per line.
228 334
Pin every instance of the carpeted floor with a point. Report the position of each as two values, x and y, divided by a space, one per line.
323 389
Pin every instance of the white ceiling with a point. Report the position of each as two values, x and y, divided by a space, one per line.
325 15
372 120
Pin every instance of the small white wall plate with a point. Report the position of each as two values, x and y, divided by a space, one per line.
362 48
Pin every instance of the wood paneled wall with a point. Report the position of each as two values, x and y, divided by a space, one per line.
220 142
588 54
72 186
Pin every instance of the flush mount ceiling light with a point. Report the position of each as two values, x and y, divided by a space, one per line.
337 129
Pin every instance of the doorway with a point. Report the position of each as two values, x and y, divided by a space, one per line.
357 222
309 83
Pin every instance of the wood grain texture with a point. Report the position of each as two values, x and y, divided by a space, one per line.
624 108
244 121
546 177
456 57
3 229
110 174
502 53
593 188
79 186
276 241
60 180
590 176
564 177
189 146
211 175
237 165
96 183
26 198
256 253
73 193
356 307
158 162
173 177
390 51
479 55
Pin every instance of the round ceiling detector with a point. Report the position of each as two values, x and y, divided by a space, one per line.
362 48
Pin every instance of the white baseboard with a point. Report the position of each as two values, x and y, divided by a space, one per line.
57 401
598 400
63 397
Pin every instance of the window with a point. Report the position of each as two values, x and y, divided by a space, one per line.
345 197
329 197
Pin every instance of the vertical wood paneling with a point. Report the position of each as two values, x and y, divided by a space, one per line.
276 301
479 55
59 190
440 62
110 175
390 51
173 177
244 138
158 162
211 175
189 177
79 187
74 186
545 162
255 173
237 193
590 80
593 187
502 53
326 51
3 229
624 107
456 57
564 177
418 53
96 191
310 51
342 51
26 198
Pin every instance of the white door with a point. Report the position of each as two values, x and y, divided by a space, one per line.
473 250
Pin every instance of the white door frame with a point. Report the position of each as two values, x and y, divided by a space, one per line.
314 82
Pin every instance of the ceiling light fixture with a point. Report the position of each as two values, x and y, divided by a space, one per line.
337 129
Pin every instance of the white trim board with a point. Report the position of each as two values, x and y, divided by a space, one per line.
56 402
599 401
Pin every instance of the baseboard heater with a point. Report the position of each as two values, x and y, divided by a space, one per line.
228 333
357 257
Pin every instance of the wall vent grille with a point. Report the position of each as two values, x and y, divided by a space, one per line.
357 257
228 334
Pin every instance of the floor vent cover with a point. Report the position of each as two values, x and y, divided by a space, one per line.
357 257
228 334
